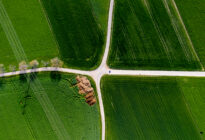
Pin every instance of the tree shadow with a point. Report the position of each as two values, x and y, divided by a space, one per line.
33 76
23 78
1 82
55 76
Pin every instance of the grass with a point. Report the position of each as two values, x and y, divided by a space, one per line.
148 108
76 32
194 22
32 30
193 89
145 36
101 9
13 125
24 118
80 30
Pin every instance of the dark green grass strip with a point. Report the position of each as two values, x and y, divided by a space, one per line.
144 38
77 30
146 108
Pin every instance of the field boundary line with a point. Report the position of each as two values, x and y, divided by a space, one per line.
187 34
49 25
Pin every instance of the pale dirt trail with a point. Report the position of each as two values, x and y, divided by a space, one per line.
113 72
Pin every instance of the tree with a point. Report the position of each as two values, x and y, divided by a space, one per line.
12 68
34 64
23 66
2 69
56 62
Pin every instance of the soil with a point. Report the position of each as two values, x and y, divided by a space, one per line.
86 89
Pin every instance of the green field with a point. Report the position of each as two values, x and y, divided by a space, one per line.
46 29
193 15
153 107
80 30
147 34
32 31
193 89
22 116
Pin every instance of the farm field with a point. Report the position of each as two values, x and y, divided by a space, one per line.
22 116
80 30
25 23
193 89
148 34
194 22
153 107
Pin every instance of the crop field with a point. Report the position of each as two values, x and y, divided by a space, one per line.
149 34
23 25
23 117
153 107
193 89
80 30
44 30
193 15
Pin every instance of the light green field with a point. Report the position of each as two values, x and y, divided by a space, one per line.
193 89
30 121
153 108
32 30
148 34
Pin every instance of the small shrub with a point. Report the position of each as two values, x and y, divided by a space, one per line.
56 62
23 66
34 64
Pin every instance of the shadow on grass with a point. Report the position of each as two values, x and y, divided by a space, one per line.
23 78
33 76
1 82
26 79
55 76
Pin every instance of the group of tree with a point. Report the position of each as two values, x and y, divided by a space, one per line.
23 65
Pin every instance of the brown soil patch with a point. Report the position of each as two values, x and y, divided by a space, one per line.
86 89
